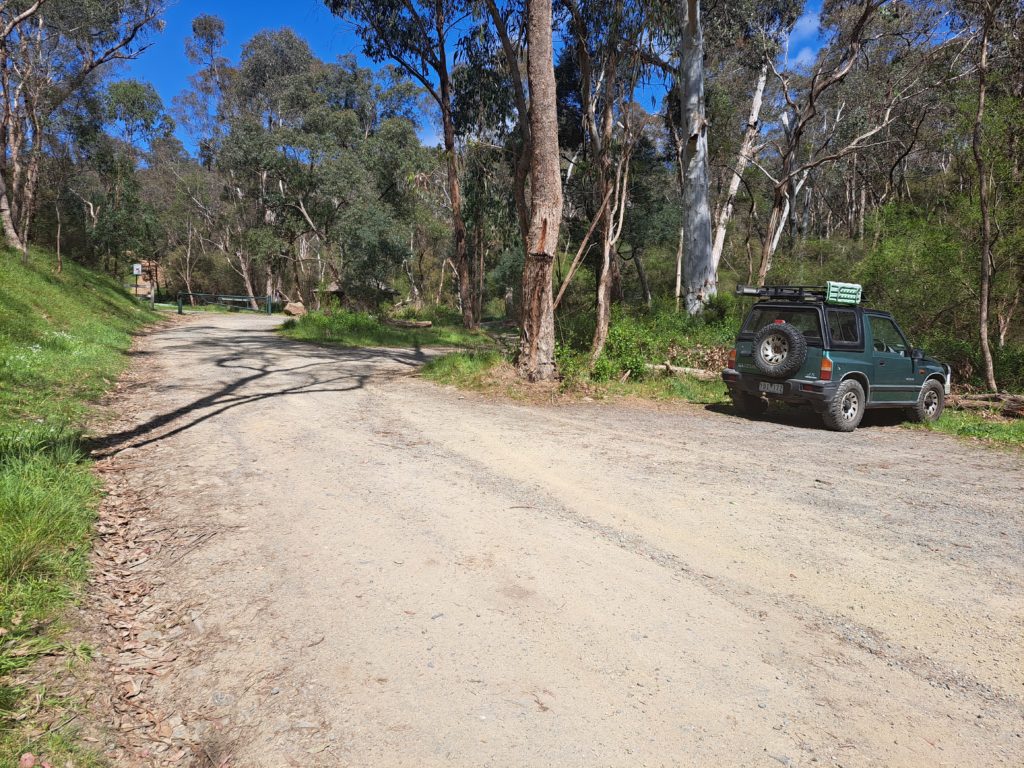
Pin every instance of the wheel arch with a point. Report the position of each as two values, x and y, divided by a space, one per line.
861 379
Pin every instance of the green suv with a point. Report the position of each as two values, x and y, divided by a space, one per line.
817 347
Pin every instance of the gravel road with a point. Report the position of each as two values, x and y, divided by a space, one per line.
383 572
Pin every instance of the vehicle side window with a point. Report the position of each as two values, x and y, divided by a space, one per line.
887 336
843 327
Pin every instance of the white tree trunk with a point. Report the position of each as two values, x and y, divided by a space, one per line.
699 274
742 160
679 268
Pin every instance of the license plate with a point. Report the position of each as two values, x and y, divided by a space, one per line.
771 388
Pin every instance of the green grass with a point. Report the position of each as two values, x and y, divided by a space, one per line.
683 388
475 371
973 424
361 329
462 369
62 344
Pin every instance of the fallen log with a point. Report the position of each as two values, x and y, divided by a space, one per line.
1009 406
678 370
408 323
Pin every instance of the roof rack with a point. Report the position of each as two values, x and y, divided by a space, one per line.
846 294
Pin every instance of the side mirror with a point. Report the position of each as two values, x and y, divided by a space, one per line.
917 354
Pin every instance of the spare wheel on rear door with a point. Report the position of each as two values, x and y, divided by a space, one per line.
779 350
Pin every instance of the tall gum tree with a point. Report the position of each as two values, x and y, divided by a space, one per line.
609 67
48 52
700 274
987 12
537 340
416 35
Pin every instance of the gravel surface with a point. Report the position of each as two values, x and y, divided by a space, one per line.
370 570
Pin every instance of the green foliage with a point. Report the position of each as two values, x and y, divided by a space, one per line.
919 273
361 329
62 343
469 370
138 109
637 337
462 369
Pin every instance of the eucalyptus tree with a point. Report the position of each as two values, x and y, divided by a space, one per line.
608 68
420 36
997 23
537 338
48 52
744 35
700 274
508 26
909 50
198 107
315 160
761 26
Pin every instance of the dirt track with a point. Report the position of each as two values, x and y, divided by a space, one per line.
381 572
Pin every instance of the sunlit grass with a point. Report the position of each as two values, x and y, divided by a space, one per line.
62 344
361 329
462 369
478 371
974 424
684 388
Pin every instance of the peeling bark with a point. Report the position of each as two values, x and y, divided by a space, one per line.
537 340
700 275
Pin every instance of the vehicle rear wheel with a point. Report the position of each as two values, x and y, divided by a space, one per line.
749 406
930 403
779 350
846 410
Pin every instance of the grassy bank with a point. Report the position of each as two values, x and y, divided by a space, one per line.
361 329
62 344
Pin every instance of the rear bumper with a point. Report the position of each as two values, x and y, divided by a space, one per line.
816 393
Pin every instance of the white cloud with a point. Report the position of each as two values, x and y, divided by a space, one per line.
805 58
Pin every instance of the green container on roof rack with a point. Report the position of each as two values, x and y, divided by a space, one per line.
844 294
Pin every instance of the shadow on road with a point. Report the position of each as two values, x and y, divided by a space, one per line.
804 418
249 365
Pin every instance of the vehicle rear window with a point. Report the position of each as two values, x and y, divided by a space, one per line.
804 318
843 327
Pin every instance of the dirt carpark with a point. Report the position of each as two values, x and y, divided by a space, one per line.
341 564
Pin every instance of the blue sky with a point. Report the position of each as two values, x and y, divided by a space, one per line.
805 40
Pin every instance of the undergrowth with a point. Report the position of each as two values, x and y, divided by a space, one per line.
462 369
635 340
62 344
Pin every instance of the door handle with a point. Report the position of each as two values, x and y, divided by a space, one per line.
881 362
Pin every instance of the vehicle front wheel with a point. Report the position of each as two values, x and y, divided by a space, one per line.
930 403
844 413
749 405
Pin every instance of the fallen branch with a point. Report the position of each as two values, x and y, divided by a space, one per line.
1010 406
408 323
677 370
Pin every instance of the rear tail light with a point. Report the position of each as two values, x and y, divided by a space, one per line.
732 358
826 369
